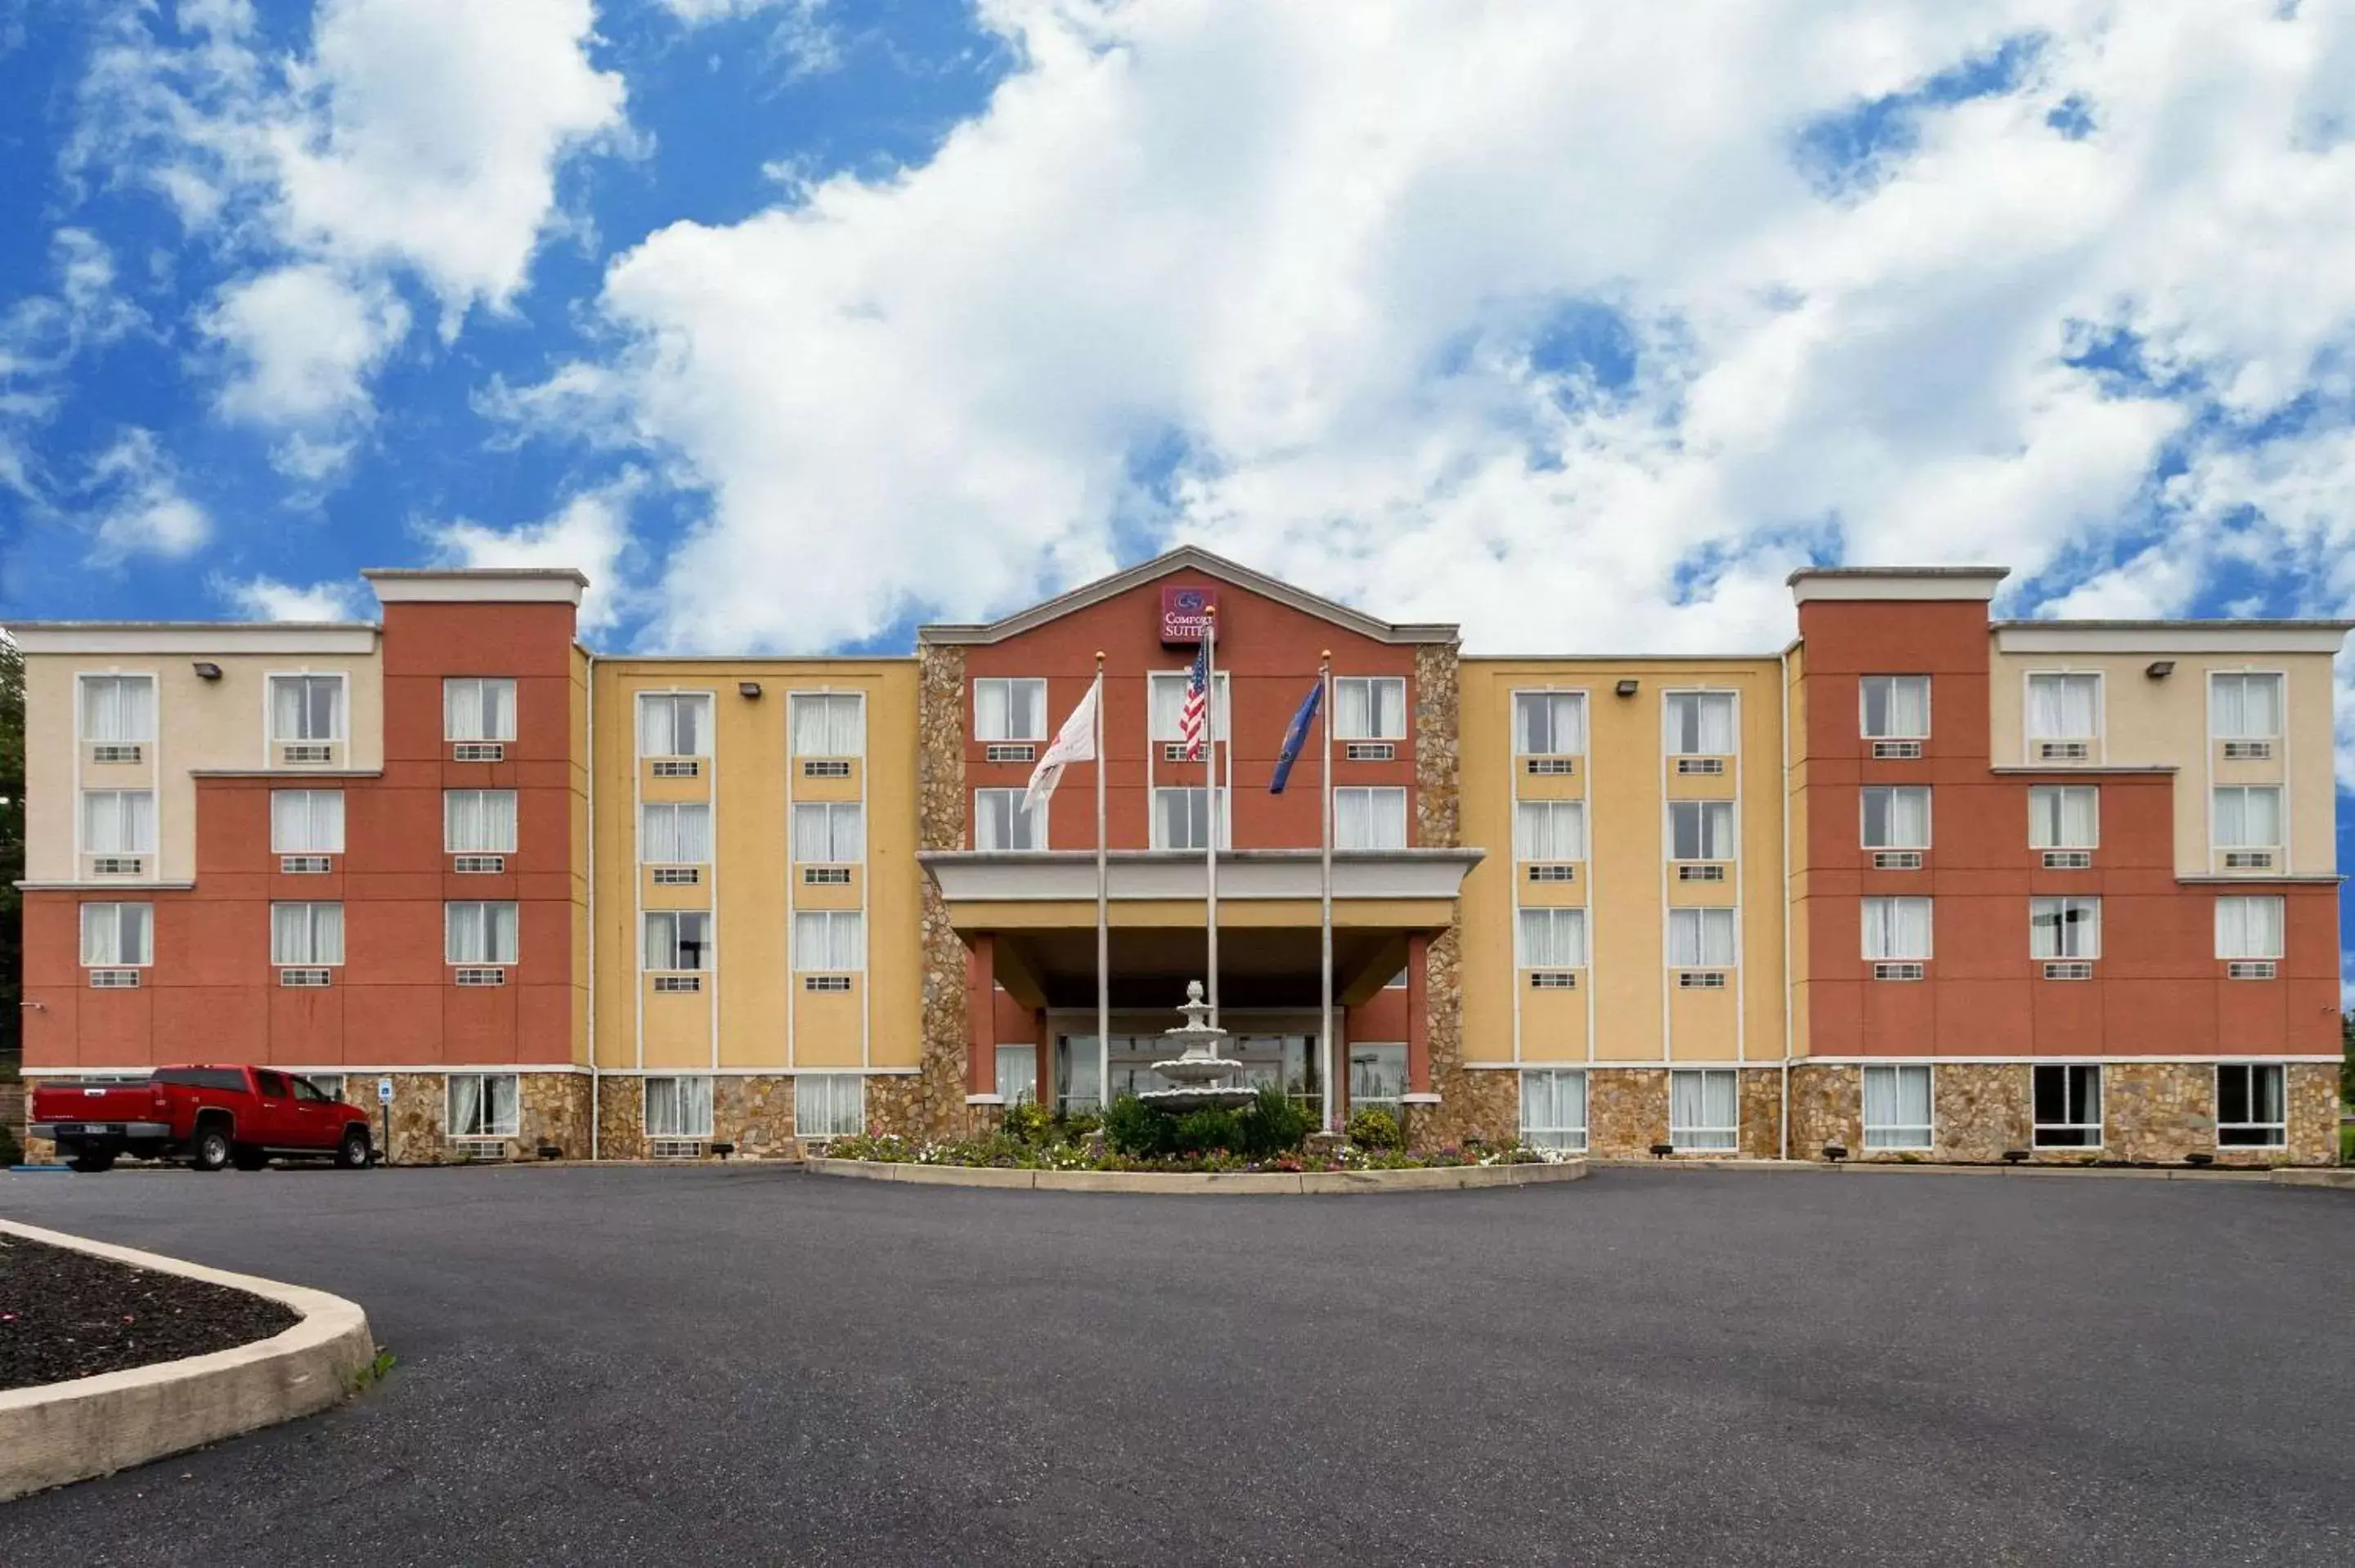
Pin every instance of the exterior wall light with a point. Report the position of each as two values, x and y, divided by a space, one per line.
2159 669
748 688
206 671
1626 688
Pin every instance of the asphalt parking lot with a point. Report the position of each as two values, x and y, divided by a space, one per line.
758 1366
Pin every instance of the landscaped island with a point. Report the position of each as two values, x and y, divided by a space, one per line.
67 1314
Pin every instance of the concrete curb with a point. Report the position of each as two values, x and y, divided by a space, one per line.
2343 1180
64 1432
2293 1176
1211 1183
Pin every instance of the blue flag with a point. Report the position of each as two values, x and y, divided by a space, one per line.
1295 739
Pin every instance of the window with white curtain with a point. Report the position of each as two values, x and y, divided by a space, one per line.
1704 1108
1897 1108
306 933
677 940
306 821
1553 1108
829 940
118 707
478 931
478 821
1550 830
306 707
2067 1105
2244 707
1701 830
118 821
2064 927
1167 690
2251 1105
484 1104
2249 928
1699 724
674 724
118 935
1700 938
1001 820
2248 816
478 708
2065 816
1553 939
678 1107
1894 707
1010 709
829 723
1368 819
1550 724
1896 817
829 832
675 832
1896 928
1018 1074
830 1105
2064 707
1181 819
1368 707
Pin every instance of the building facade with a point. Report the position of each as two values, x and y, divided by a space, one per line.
1921 885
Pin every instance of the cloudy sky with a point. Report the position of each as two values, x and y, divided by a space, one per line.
796 322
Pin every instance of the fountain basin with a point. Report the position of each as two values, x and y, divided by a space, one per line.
1197 1096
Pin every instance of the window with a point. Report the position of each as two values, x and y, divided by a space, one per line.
306 933
2248 816
1368 707
2244 707
829 939
306 707
319 1087
118 707
1897 1108
482 1105
1553 1110
2068 1107
1167 689
2249 928
306 821
1369 819
1895 708
829 723
1896 928
1001 822
831 832
2064 927
674 724
829 1104
678 1107
1896 818
2251 1106
2064 707
118 934
1550 830
478 821
1704 1108
1009 710
118 821
1701 830
1181 820
675 833
1018 1074
1550 724
1700 723
476 708
1700 938
2063 816
1553 939
1377 1074
1396 981
477 932
677 940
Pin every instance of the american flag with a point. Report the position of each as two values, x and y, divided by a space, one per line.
1190 723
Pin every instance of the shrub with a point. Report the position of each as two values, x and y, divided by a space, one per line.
1134 1128
1199 1131
1274 1125
1374 1127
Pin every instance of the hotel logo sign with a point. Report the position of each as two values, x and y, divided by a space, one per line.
1185 613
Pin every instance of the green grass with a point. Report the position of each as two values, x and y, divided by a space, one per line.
2347 1145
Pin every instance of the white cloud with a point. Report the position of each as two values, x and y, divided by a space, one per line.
302 342
136 505
590 531
267 599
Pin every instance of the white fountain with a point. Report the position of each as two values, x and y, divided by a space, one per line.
1198 1066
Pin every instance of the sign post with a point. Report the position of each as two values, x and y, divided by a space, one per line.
384 1101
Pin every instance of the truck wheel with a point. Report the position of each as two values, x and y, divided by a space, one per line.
91 1164
212 1149
352 1153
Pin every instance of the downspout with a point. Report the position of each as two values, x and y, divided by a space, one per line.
1784 662
596 1101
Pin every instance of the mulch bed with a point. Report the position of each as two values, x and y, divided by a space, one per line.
66 1314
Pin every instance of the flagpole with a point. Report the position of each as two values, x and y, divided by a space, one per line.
1210 789
1325 1044
1103 915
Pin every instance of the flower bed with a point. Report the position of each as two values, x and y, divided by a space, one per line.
1007 1152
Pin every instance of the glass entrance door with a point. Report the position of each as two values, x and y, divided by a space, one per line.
1287 1061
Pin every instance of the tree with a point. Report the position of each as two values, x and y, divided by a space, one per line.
12 871
2347 1057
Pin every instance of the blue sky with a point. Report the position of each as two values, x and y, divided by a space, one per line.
795 321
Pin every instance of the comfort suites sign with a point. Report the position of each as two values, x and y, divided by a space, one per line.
1186 612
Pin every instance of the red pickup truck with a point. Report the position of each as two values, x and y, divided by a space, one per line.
210 1116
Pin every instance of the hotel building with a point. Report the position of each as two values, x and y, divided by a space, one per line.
1920 886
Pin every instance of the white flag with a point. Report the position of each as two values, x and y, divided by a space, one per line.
1075 742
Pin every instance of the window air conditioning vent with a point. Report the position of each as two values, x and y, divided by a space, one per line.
117 865
678 875
1010 751
1700 979
305 864
1552 766
479 1148
1554 873
479 862
1553 980
1898 971
305 753
478 976
678 768
1370 751
825 877
2248 860
1689 873
312 978
114 980
2061 751
2234 751
1707 765
2068 860
1896 750
678 1148
2071 970
2250 969
826 982
478 751
825 768
115 751
678 984
1897 860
